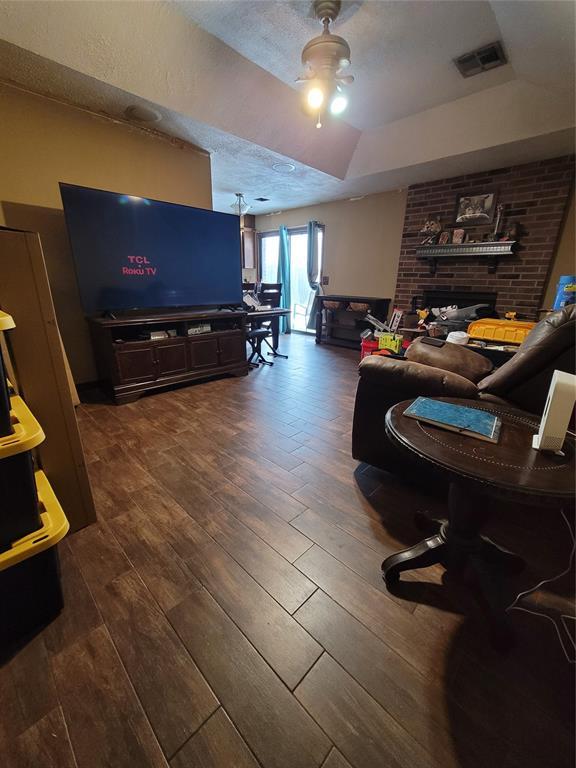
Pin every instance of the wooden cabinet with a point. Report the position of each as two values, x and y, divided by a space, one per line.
135 363
171 357
129 365
203 353
232 348
248 241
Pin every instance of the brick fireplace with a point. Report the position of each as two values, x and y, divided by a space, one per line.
534 195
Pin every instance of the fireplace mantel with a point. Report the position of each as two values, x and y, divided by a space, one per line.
492 251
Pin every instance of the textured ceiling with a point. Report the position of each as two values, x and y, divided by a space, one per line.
221 75
401 51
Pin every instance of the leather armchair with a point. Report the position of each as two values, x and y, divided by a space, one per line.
455 371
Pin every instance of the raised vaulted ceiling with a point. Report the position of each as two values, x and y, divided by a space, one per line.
221 74
401 51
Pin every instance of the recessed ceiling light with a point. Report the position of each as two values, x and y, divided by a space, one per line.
283 167
262 199
142 114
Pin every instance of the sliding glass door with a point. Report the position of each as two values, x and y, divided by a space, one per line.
269 254
302 295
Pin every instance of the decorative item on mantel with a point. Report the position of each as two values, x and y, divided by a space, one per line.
456 243
513 232
474 210
431 229
499 209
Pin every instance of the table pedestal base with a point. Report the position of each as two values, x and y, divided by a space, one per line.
459 547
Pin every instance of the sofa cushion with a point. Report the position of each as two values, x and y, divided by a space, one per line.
450 357
410 379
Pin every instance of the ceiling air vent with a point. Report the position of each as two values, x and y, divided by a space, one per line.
262 199
481 60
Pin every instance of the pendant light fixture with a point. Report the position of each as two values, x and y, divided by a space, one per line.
240 206
325 58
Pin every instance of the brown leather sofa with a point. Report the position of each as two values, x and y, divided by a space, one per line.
455 371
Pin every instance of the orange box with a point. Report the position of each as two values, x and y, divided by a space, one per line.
503 331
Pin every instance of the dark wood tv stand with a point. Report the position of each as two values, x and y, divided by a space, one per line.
129 363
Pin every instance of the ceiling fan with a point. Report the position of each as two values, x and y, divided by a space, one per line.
325 59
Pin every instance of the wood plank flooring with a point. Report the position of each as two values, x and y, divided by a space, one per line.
227 610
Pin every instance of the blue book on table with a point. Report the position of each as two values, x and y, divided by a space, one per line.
456 418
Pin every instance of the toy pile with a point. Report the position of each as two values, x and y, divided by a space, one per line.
384 339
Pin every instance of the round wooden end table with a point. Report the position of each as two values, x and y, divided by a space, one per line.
478 471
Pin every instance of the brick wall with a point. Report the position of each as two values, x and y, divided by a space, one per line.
535 195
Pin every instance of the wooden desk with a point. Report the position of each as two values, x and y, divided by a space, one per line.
272 315
479 471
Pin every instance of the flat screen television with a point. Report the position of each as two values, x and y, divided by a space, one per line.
132 253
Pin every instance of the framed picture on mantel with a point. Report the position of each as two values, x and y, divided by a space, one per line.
476 209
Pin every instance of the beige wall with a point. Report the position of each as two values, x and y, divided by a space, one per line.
565 259
362 243
43 142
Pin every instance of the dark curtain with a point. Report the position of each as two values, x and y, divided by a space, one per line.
284 278
313 269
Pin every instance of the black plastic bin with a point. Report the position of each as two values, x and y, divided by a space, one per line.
30 596
30 588
19 514
5 423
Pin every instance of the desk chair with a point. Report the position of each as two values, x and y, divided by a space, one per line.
270 294
255 338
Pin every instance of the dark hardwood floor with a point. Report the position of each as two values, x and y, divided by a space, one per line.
227 611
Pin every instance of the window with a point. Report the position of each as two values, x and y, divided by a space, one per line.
301 293
269 250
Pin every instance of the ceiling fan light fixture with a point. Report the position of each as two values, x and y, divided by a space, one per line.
338 104
325 58
315 97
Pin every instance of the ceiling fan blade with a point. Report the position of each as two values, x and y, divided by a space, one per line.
345 79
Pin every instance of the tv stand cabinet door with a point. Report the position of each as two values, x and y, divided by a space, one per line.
171 358
136 365
232 348
202 353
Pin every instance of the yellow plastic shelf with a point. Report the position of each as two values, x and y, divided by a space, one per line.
27 431
504 331
54 527
6 321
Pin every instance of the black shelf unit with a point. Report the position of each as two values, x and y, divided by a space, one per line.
342 326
